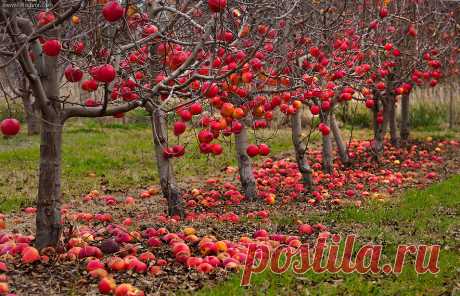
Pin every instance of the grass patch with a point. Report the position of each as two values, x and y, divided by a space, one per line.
426 114
356 115
118 156
419 217
14 203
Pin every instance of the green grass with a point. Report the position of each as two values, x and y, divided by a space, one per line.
418 217
355 115
425 116
118 156
428 114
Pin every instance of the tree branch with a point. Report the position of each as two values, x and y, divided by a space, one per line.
80 111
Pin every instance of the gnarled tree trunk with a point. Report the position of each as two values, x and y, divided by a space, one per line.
341 147
247 179
328 164
405 128
300 151
168 184
48 220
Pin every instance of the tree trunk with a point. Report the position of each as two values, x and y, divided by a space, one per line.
300 151
247 179
168 184
48 219
379 129
341 147
328 165
451 105
392 121
31 115
404 132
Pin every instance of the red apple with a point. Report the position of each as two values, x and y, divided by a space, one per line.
179 128
94 264
383 12
105 73
73 74
217 5
106 285
205 267
4 288
209 89
30 255
116 264
10 127
264 150
51 47
315 109
306 229
89 85
196 108
216 149
185 115
252 150
112 11
205 136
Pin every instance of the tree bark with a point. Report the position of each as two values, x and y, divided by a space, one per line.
379 129
31 115
168 184
248 182
392 121
341 147
405 129
328 165
300 151
451 105
48 219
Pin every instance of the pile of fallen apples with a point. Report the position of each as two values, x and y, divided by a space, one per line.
279 181
111 250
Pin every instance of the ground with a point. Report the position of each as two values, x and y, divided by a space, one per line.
411 197
417 217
